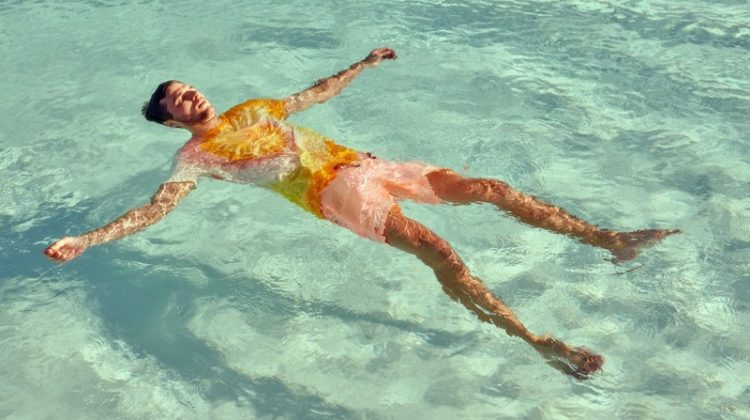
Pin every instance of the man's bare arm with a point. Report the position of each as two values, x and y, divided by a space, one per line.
325 89
163 201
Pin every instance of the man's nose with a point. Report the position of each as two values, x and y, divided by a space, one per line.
190 95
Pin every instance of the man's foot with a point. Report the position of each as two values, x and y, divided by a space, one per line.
577 362
627 245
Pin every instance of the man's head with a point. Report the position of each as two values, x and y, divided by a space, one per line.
176 104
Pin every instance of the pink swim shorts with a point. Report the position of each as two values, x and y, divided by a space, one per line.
360 197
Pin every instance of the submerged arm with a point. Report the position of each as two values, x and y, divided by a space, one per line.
325 89
163 201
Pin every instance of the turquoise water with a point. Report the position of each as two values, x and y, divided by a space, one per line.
630 114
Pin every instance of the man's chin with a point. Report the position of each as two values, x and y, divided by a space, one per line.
206 116
202 117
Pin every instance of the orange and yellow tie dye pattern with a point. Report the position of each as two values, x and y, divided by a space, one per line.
320 160
256 130
249 131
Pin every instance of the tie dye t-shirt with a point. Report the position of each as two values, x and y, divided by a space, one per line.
254 143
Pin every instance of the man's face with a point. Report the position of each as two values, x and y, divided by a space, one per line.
186 104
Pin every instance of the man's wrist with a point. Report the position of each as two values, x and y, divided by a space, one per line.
369 61
86 239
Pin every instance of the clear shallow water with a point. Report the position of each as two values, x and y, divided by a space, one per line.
629 114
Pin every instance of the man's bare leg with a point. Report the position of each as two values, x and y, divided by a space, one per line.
454 188
411 236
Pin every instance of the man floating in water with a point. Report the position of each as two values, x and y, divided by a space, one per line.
254 143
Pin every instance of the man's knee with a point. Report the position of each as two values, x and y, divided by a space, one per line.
433 250
456 188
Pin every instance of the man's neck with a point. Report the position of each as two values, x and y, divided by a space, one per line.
202 128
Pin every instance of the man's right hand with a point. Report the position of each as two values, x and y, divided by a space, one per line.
378 55
66 248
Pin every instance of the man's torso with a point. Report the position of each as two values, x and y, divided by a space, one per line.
254 143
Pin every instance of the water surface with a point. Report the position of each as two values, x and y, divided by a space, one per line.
238 305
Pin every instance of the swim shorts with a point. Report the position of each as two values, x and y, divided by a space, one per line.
361 195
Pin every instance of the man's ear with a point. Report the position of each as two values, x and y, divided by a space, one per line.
173 124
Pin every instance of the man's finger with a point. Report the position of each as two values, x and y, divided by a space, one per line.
57 245
53 256
56 253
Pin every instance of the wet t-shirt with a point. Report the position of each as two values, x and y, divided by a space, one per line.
253 143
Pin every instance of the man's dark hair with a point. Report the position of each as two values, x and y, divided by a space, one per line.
155 111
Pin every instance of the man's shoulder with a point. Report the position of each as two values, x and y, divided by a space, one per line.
254 109
188 150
